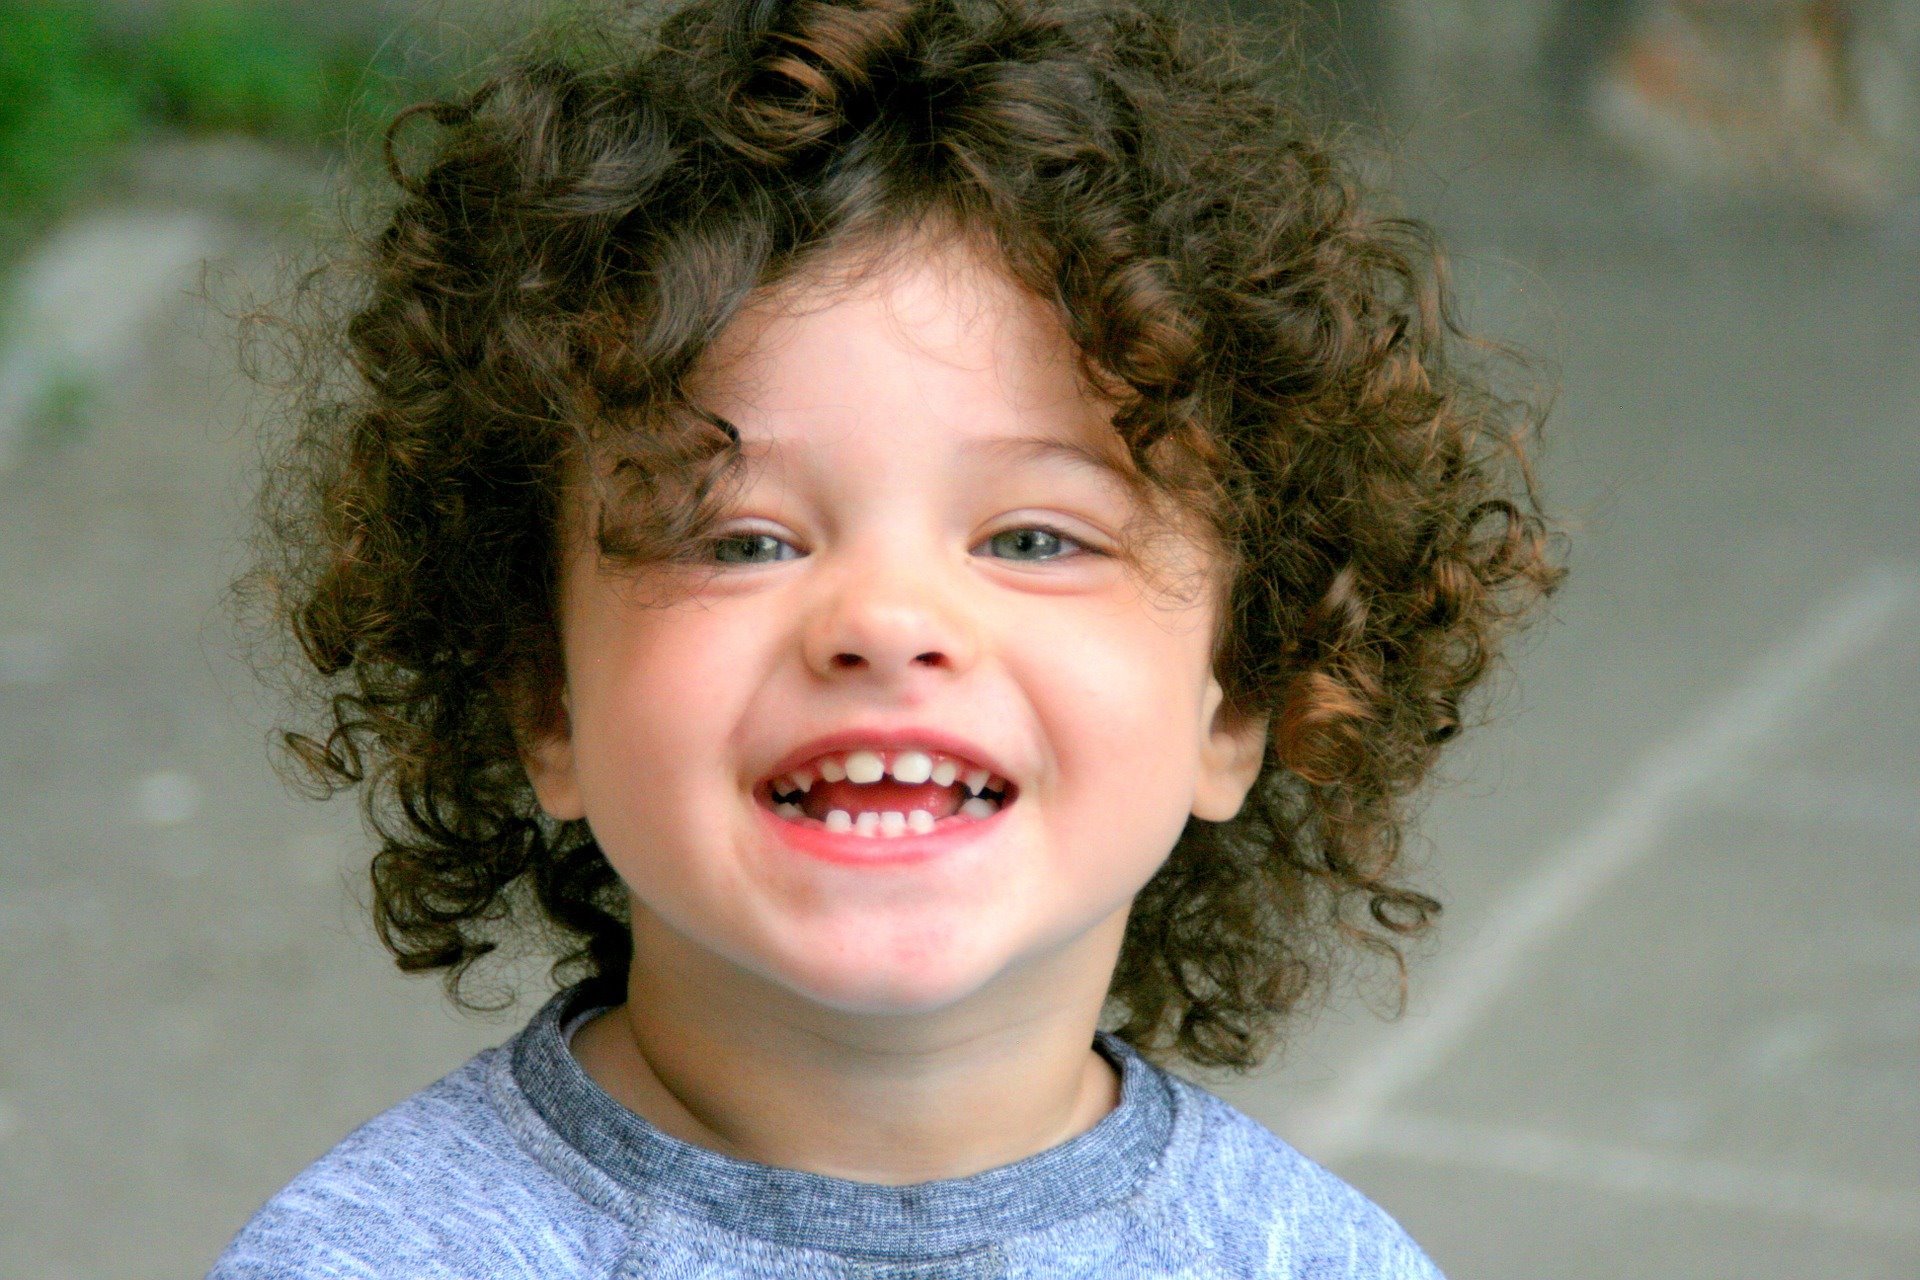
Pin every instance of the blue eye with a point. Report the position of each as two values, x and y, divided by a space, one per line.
1034 543
747 548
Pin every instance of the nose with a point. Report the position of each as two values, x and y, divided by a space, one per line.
889 620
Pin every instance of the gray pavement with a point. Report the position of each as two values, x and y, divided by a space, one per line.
1670 1027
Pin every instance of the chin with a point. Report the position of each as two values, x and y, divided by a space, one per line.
878 982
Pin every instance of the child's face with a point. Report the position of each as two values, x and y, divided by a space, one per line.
877 581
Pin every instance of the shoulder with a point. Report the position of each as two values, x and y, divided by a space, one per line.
437 1186
1286 1216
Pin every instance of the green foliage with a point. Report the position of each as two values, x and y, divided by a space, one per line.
231 65
73 92
64 109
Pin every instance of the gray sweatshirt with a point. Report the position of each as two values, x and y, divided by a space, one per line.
518 1165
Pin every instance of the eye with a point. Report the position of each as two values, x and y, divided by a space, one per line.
749 548
1030 543
1036 542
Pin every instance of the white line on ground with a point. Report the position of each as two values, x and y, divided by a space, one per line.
80 302
1341 1121
1668 1177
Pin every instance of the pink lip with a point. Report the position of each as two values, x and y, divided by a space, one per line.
898 738
881 851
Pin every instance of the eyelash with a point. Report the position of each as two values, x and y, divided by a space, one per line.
1060 534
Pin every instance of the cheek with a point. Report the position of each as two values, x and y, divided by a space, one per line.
1119 699
1136 669
655 700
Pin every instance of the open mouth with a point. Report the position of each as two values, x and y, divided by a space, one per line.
886 794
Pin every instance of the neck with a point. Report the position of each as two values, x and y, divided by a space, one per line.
751 1070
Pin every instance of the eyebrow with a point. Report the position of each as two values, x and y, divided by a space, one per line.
1013 448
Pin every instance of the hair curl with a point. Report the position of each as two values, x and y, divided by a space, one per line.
586 221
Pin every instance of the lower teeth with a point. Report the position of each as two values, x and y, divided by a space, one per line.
888 825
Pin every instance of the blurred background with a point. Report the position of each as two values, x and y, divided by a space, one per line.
1670 1024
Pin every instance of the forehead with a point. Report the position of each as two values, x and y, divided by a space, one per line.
929 337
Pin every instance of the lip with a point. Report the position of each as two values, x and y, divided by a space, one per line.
879 851
890 738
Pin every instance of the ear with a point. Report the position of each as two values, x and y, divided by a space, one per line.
1232 750
549 761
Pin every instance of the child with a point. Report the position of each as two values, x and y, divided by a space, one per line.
884 530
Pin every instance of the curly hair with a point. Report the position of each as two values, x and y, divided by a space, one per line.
583 223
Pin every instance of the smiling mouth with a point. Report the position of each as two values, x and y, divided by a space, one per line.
884 808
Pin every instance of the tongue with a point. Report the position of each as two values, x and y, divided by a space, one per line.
878 797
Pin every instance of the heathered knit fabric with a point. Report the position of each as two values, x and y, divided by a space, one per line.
518 1165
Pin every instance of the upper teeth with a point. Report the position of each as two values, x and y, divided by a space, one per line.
911 766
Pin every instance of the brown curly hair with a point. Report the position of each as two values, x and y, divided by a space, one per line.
582 225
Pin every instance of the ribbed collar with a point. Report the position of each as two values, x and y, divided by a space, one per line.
811 1210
